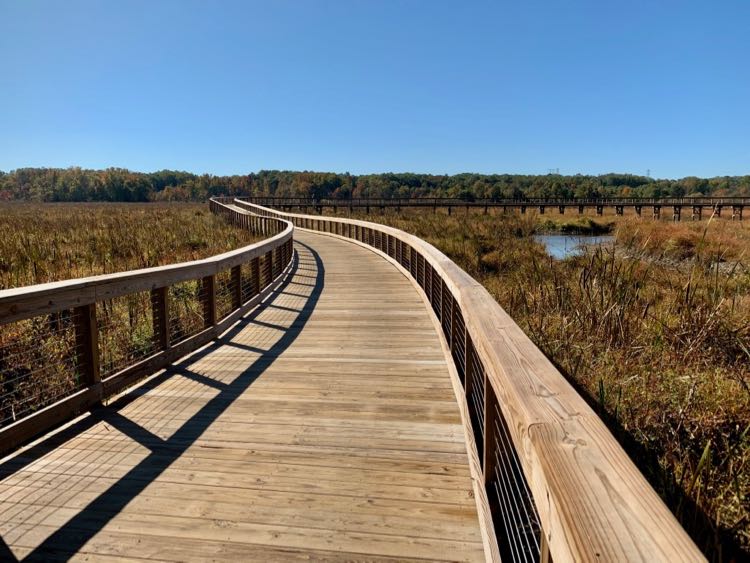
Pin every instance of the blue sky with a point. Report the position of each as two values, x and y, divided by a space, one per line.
440 87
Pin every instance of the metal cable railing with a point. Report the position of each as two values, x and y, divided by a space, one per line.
513 510
125 331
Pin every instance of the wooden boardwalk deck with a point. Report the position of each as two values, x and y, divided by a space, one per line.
324 426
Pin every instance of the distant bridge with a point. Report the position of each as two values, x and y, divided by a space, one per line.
698 207
343 392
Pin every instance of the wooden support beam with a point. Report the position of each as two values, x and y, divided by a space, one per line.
160 316
87 343
236 273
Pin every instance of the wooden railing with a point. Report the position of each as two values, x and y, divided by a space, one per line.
65 346
559 486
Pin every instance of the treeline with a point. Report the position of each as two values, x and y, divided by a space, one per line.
117 184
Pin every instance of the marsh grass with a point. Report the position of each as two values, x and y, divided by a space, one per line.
661 351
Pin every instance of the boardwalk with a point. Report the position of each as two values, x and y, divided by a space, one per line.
323 426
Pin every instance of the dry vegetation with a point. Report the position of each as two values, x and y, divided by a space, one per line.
656 335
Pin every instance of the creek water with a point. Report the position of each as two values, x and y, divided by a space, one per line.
562 246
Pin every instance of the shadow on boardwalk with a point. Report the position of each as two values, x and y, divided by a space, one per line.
76 532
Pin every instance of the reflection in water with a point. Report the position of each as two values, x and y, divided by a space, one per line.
562 246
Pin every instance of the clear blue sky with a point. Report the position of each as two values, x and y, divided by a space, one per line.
442 87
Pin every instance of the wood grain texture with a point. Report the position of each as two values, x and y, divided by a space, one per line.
323 426
593 503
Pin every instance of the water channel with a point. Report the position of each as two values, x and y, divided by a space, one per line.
562 246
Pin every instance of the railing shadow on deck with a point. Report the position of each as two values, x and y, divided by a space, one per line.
76 532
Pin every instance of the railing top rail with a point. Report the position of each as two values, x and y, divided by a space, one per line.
24 302
593 502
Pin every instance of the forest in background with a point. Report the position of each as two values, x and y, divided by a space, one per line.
118 184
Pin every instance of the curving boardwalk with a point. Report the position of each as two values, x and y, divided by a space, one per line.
323 426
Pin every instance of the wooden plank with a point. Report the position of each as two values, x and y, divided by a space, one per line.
119 546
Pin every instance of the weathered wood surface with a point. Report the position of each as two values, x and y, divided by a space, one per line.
593 502
323 427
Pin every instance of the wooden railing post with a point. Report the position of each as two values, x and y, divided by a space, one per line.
160 316
236 287
255 271
209 302
87 343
